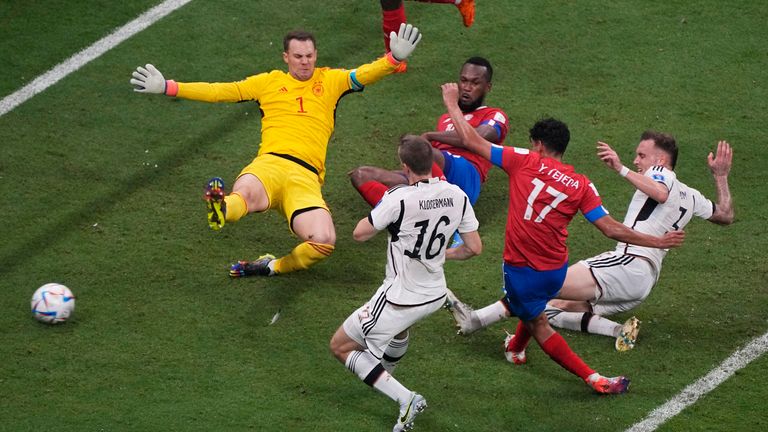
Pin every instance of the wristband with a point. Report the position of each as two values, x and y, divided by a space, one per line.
391 58
171 88
623 171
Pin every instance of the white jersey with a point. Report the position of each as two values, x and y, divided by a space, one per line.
420 218
650 217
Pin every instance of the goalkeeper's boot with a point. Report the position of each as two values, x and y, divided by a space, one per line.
260 267
626 339
467 11
515 357
408 412
605 385
466 320
214 202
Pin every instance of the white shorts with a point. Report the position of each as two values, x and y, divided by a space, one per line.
377 322
624 281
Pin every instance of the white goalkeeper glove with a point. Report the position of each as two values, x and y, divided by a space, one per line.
148 80
404 42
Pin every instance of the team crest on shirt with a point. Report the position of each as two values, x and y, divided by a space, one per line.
317 89
658 177
468 117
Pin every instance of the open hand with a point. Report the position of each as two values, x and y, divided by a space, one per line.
148 80
608 156
404 42
720 165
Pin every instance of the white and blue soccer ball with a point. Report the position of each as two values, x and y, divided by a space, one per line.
53 303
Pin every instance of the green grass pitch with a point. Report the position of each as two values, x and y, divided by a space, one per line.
101 190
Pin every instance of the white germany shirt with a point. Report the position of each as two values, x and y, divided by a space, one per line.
420 219
650 217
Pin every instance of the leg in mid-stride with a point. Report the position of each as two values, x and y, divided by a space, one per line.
581 304
315 228
527 292
273 182
372 341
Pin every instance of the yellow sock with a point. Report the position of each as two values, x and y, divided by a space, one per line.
236 207
303 256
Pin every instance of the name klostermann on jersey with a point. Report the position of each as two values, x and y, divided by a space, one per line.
435 203
559 177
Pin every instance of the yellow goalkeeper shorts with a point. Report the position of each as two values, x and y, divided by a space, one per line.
290 187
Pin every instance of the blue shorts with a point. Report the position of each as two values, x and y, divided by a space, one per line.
527 290
463 174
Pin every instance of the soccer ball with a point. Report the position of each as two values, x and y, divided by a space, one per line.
52 303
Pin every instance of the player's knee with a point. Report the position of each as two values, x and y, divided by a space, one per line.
560 304
336 349
253 193
360 175
326 238
539 323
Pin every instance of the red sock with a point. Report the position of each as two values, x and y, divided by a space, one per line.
437 172
372 191
390 22
522 337
557 348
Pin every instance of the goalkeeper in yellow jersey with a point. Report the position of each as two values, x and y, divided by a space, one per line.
298 110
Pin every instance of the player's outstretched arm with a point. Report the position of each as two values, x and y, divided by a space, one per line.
470 139
616 230
148 79
655 190
472 246
720 165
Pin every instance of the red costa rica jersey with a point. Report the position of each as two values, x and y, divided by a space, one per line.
494 117
544 195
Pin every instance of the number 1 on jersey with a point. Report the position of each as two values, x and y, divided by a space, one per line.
301 104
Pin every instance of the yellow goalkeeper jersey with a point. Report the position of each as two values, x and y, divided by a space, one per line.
298 117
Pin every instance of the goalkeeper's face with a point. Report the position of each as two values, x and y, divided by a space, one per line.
300 58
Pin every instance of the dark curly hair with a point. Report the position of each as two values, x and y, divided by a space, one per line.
553 133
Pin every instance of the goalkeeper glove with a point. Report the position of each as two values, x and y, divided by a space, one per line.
148 80
404 42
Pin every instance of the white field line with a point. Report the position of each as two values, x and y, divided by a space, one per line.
704 385
83 57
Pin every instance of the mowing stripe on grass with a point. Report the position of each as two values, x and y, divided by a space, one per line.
85 56
704 385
